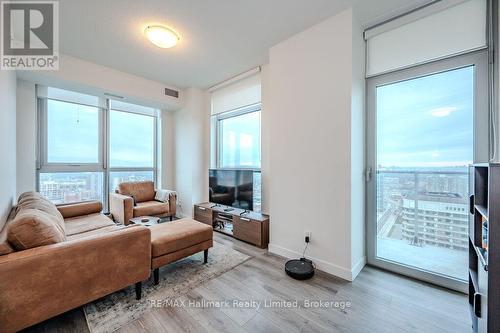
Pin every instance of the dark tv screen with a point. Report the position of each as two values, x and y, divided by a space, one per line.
232 188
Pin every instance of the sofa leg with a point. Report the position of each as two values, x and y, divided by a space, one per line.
138 290
171 218
205 256
156 274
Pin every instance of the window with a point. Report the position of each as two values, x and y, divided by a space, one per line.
239 140
237 144
430 172
426 124
132 139
72 133
73 163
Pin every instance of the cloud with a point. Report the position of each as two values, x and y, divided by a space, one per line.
443 112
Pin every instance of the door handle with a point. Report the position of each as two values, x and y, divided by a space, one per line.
244 219
368 174
471 203
477 304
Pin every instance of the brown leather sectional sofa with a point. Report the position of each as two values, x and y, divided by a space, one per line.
53 259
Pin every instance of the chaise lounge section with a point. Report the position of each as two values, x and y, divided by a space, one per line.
54 259
176 240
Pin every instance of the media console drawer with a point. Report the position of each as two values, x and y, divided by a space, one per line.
203 214
247 230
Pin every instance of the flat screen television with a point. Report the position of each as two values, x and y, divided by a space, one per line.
233 188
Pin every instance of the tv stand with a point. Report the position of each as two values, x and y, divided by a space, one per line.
244 225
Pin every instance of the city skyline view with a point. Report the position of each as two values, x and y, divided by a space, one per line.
67 187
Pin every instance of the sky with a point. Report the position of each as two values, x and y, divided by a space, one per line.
73 136
427 121
241 141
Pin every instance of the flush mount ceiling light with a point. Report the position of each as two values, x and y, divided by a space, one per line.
161 36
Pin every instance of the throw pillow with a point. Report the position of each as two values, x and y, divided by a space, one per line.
31 228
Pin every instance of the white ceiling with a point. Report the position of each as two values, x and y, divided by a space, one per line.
219 38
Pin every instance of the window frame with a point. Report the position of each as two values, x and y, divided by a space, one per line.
43 166
218 133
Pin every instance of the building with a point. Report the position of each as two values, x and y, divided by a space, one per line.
437 219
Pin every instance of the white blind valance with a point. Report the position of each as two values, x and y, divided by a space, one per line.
68 96
440 30
237 95
132 108
91 100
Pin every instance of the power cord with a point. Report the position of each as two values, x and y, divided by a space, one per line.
181 211
305 249
307 240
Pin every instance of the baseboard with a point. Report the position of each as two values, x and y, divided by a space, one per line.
358 267
322 265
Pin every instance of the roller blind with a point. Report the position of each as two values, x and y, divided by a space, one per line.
237 95
133 108
68 96
440 30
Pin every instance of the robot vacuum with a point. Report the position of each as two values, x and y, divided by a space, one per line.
299 269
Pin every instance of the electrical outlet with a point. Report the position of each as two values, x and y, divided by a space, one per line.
307 236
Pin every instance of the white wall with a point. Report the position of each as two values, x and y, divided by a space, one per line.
192 150
358 258
167 150
265 132
26 136
315 139
90 78
7 143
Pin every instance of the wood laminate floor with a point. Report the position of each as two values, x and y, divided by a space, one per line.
380 302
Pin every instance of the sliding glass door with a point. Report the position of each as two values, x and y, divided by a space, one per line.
425 126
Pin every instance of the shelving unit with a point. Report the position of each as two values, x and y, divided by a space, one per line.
484 247
223 223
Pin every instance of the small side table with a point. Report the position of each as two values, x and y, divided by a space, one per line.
145 220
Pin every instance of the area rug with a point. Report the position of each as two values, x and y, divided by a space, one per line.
120 308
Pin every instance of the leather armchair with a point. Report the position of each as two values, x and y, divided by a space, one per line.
134 199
